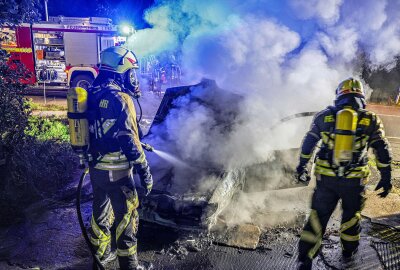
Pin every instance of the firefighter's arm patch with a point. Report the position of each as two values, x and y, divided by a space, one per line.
329 119
103 103
365 121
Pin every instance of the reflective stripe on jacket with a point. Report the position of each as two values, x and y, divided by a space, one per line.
114 136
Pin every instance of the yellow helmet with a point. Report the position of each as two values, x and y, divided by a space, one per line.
350 86
117 59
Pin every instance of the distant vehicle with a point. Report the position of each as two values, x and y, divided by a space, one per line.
63 51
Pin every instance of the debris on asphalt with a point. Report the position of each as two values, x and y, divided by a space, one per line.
244 236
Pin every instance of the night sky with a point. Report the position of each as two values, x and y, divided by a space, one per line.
121 11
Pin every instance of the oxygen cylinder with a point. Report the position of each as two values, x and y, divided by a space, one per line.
78 123
345 134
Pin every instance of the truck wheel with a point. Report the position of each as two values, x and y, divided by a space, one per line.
84 81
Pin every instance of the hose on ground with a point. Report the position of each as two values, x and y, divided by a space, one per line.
96 262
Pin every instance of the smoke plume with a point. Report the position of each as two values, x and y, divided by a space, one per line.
280 57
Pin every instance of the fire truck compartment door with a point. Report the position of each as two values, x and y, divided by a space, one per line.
80 48
106 42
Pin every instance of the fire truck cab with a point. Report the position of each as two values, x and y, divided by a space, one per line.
63 51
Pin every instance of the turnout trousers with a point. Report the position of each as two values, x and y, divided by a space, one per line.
325 198
115 199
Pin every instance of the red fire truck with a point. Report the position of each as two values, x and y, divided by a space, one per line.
63 51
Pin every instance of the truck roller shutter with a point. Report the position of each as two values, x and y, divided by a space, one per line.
80 48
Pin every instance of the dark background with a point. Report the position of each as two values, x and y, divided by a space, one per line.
120 11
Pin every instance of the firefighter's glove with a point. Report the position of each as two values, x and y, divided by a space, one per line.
385 182
146 179
302 175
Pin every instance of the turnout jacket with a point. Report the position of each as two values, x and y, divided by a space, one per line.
369 133
114 131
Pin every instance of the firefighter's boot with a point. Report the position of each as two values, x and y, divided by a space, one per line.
349 255
145 266
304 265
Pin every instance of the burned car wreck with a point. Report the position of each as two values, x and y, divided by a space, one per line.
188 194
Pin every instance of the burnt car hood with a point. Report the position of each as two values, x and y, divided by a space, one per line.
193 197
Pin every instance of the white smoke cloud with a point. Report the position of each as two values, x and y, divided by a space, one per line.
263 56
281 57
327 11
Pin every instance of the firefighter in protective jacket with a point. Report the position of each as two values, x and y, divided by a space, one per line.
346 132
117 155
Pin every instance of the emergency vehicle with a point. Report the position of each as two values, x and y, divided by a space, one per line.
63 51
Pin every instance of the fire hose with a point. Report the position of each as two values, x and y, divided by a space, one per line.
293 116
96 262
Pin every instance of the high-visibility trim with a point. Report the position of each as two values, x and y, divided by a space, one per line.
123 224
18 50
359 172
323 167
322 162
101 249
308 237
102 240
132 202
108 124
140 159
316 226
324 171
113 161
124 133
132 115
127 252
382 165
97 231
352 222
314 135
350 238
305 156
97 242
314 221
327 138
114 157
361 142
313 251
112 167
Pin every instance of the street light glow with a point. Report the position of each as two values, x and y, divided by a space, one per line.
126 30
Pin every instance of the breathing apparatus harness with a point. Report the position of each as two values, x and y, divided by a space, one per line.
79 117
342 158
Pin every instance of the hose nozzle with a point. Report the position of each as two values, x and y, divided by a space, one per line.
147 147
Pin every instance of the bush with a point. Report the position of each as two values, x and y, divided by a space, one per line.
47 129
37 170
43 167
39 161
45 107
14 112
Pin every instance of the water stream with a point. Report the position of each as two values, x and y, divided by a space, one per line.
170 158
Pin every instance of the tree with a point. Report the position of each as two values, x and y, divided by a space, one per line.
17 11
13 111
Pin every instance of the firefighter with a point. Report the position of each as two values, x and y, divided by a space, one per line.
117 155
346 132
